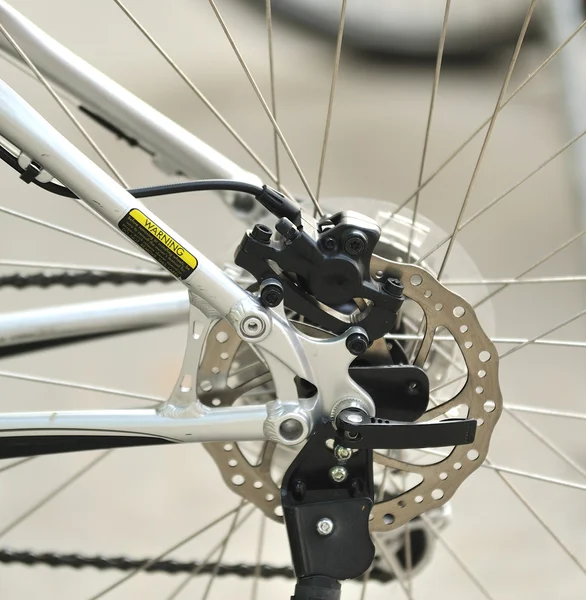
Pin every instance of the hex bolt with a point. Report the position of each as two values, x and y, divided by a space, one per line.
357 343
325 526
393 287
338 474
271 293
355 245
342 453
261 233
252 327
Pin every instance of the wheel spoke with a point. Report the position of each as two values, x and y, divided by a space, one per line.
541 261
520 473
547 411
393 564
259 549
473 135
335 70
510 281
487 137
269 20
537 516
181 73
75 234
53 493
219 547
80 386
264 104
436 78
63 106
17 463
494 340
501 196
518 347
168 551
456 556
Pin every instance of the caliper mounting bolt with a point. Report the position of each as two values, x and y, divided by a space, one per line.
342 453
325 526
261 233
271 293
357 343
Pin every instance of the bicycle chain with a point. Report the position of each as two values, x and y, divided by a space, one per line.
77 278
124 563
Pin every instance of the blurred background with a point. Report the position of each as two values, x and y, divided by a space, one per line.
139 502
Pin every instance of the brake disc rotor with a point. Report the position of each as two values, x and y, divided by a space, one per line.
231 372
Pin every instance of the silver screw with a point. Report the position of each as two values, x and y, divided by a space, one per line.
252 327
325 526
342 453
338 474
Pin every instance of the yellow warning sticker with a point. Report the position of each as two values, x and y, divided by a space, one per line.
167 251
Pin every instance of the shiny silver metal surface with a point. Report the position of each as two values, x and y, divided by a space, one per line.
175 149
70 320
325 526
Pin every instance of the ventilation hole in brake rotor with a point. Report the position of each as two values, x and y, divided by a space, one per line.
437 494
233 462
215 370
402 504
457 466
278 511
468 345
439 306
443 476
228 447
427 293
416 280
206 385
463 328
378 275
479 422
222 337
388 519
479 389
216 402
269 497
484 356
459 311
224 356
418 499
238 480
370 517
482 373
257 484
472 454
186 382
489 406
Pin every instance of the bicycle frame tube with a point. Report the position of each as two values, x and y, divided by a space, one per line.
22 126
175 149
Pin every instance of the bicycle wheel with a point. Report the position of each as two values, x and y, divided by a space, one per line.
518 263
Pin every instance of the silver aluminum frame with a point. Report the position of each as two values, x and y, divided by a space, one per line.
211 292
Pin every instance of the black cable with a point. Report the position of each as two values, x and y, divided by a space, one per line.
271 199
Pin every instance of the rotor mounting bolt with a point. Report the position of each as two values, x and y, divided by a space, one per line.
252 327
393 286
325 526
261 233
355 245
338 474
342 453
357 343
